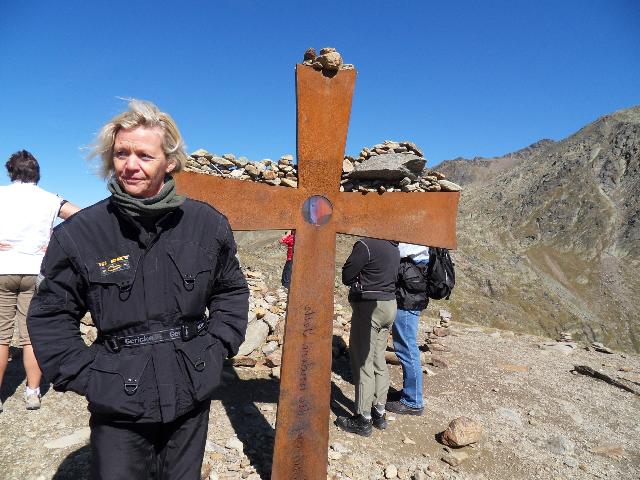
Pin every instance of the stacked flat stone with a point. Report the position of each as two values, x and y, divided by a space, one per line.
283 172
392 166
438 332
329 60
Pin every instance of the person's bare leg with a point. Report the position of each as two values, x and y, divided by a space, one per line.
34 375
4 359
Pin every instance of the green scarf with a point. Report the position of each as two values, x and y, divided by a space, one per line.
165 201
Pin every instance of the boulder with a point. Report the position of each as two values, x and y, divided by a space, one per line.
462 431
389 167
448 186
329 59
257 332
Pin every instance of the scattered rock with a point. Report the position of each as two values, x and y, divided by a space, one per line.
563 348
448 186
256 334
609 450
510 415
391 471
79 437
407 441
455 458
462 431
391 358
560 445
438 362
598 347
513 368
234 444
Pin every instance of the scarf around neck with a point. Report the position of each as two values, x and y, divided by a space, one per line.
166 200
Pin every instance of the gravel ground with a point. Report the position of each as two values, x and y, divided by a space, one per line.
541 421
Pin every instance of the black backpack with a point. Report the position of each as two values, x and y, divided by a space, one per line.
441 276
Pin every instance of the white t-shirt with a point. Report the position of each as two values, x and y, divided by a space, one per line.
27 213
418 253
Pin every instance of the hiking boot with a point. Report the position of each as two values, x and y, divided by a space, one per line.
379 420
32 401
402 409
355 424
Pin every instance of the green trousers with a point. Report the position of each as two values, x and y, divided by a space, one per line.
370 325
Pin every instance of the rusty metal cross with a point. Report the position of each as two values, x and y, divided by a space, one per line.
323 109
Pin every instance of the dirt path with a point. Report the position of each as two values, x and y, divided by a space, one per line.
540 420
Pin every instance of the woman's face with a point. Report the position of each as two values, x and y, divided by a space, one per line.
139 161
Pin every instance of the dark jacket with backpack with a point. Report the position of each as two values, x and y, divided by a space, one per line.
411 288
140 285
417 283
371 270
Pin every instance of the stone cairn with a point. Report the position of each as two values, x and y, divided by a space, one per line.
392 166
434 342
282 172
438 332
389 166
329 60
566 337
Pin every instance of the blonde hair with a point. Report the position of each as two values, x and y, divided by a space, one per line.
140 114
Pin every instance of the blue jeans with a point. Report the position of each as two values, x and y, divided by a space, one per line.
405 343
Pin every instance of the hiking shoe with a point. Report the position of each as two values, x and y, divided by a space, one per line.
355 424
379 420
32 401
402 409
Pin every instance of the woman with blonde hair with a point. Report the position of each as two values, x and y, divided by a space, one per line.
158 273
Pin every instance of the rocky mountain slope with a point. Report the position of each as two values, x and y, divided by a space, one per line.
552 241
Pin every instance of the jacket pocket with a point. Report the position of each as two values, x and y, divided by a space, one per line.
192 275
110 291
202 360
114 386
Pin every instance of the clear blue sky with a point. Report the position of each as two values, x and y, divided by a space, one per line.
459 78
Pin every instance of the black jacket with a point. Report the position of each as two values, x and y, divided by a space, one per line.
135 281
411 288
371 270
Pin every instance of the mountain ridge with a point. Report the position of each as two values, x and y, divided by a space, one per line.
566 219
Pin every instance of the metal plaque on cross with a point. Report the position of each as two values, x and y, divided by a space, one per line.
317 211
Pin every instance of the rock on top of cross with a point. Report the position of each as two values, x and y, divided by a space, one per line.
328 61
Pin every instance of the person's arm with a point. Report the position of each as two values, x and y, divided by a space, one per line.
67 209
4 246
285 239
289 240
359 258
229 301
53 322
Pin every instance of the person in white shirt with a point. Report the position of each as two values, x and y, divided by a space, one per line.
27 213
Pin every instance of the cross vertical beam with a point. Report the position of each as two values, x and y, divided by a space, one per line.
302 430
323 109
